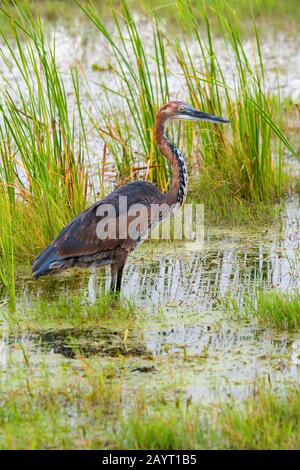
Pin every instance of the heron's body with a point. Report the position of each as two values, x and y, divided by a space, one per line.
78 244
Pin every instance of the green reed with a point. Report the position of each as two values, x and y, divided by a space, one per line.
243 163
7 256
143 82
275 309
241 160
43 180
42 141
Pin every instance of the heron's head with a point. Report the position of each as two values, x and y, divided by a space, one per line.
180 110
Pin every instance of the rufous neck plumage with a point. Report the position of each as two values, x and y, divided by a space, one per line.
177 192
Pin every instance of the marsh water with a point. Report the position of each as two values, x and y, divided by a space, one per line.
183 334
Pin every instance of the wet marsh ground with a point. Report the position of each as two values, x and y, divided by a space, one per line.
191 355
81 369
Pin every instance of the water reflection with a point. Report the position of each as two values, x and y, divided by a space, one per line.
187 285
232 261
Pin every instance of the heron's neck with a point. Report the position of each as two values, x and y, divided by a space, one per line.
176 194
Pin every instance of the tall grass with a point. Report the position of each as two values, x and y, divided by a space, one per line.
141 88
236 165
43 179
7 257
39 138
241 162
275 309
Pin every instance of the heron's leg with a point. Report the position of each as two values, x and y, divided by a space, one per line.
116 276
119 278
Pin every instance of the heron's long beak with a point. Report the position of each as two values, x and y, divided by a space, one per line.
193 114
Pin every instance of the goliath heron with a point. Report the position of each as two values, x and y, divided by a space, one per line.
78 244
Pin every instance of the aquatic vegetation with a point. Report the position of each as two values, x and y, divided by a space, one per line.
78 374
86 405
41 414
272 308
41 140
43 179
7 257
70 311
141 96
263 421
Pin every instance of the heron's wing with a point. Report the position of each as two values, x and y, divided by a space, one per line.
80 237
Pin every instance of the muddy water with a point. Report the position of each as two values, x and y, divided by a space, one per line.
184 336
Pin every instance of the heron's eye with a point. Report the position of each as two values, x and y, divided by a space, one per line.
180 109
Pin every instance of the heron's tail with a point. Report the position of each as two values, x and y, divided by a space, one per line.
49 262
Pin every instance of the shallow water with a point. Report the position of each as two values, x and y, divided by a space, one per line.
184 337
